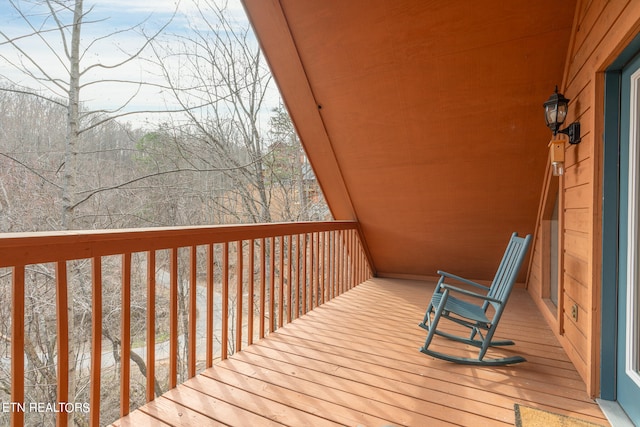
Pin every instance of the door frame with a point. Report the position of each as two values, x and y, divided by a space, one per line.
611 222
633 246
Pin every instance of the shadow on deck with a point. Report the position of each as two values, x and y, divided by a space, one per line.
355 361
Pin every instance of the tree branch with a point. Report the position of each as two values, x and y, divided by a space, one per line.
141 178
27 167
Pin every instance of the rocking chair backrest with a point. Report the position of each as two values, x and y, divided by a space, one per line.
508 270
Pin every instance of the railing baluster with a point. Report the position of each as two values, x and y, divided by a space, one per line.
151 324
343 259
345 269
263 284
62 339
289 279
347 284
357 258
320 268
225 301
210 305
239 278
325 267
17 344
347 260
96 341
272 284
347 264
329 266
326 256
317 270
329 258
281 283
312 276
193 276
332 250
298 270
353 258
312 269
345 243
125 334
250 307
340 261
173 317
362 277
303 299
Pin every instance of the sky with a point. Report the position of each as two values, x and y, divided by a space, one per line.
108 18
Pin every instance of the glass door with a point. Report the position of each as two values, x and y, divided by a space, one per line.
628 347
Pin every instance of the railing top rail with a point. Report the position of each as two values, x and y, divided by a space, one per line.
43 247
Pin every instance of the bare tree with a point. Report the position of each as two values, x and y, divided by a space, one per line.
288 173
56 26
222 85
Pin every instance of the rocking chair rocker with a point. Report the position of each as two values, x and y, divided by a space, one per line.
475 316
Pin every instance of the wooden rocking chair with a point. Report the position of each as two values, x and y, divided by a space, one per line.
475 316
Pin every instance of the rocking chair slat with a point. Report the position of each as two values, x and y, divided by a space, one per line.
474 316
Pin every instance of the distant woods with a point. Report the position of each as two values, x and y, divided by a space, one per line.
130 177
218 156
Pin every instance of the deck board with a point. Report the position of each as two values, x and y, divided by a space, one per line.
355 361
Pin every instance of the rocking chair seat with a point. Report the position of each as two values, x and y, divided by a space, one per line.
462 308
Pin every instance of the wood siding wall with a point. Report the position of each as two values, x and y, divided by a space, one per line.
602 28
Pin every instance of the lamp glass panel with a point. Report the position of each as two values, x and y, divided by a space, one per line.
562 113
556 114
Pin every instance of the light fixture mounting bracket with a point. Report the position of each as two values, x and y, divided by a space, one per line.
573 132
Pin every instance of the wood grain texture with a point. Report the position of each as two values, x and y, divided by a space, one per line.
355 361
602 29
427 113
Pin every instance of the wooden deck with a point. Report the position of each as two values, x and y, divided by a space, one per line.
354 361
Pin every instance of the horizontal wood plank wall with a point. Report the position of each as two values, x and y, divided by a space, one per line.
602 29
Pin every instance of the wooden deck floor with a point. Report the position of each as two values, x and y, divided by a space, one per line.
355 361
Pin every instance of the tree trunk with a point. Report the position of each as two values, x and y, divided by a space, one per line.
69 187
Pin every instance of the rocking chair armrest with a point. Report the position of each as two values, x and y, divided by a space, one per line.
463 280
471 294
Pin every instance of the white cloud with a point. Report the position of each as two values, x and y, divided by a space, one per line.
109 18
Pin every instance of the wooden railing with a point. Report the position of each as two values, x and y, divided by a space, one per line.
239 283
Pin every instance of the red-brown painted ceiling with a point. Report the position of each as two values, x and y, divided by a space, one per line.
423 119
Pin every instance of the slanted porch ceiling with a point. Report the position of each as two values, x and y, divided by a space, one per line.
422 119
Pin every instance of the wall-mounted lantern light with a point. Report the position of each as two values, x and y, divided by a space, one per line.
555 113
